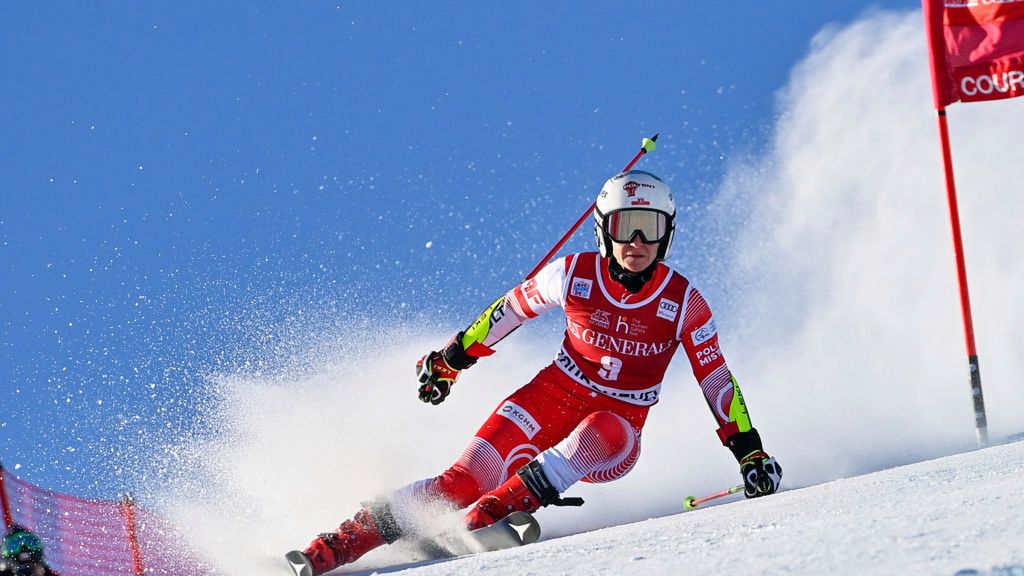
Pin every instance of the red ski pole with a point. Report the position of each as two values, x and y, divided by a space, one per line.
648 145
690 503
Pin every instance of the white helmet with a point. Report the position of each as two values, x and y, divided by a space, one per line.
631 203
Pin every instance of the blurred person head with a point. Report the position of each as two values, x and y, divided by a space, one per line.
22 546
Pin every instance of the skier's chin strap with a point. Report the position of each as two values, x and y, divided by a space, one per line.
632 281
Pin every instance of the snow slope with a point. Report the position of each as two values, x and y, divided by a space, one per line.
962 514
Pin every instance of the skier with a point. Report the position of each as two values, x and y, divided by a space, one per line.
581 417
22 554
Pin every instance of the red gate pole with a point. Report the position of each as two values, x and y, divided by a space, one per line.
128 511
5 503
980 421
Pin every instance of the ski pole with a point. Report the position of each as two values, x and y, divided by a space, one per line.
690 503
648 145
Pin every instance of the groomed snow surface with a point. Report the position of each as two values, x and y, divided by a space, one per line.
960 515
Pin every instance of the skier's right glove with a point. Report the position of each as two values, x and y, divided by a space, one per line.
437 371
761 474
436 376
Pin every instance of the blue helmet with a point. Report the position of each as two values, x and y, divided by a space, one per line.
22 545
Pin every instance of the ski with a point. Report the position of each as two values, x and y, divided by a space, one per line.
516 529
299 563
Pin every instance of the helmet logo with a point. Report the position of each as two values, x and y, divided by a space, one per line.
632 186
640 202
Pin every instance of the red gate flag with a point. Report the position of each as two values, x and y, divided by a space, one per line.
976 49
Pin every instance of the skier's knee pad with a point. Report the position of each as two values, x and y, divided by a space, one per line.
602 447
621 445
610 431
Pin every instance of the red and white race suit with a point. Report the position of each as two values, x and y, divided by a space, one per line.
583 414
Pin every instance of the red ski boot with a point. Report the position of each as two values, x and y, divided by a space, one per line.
526 491
371 527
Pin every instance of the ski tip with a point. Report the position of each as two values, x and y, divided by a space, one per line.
516 529
526 526
299 563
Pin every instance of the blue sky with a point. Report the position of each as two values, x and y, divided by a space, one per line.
179 181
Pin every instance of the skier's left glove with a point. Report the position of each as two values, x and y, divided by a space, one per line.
761 474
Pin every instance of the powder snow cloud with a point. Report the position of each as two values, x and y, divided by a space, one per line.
849 323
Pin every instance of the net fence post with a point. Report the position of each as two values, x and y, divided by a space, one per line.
5 502
128 511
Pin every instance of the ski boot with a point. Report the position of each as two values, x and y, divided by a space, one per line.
526 491
371 527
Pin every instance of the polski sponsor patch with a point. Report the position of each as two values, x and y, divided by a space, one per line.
704 333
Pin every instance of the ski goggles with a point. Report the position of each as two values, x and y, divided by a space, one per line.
22 543
623 225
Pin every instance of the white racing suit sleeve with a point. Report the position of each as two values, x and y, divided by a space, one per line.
542 293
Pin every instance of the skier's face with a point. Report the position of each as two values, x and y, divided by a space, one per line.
635 256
